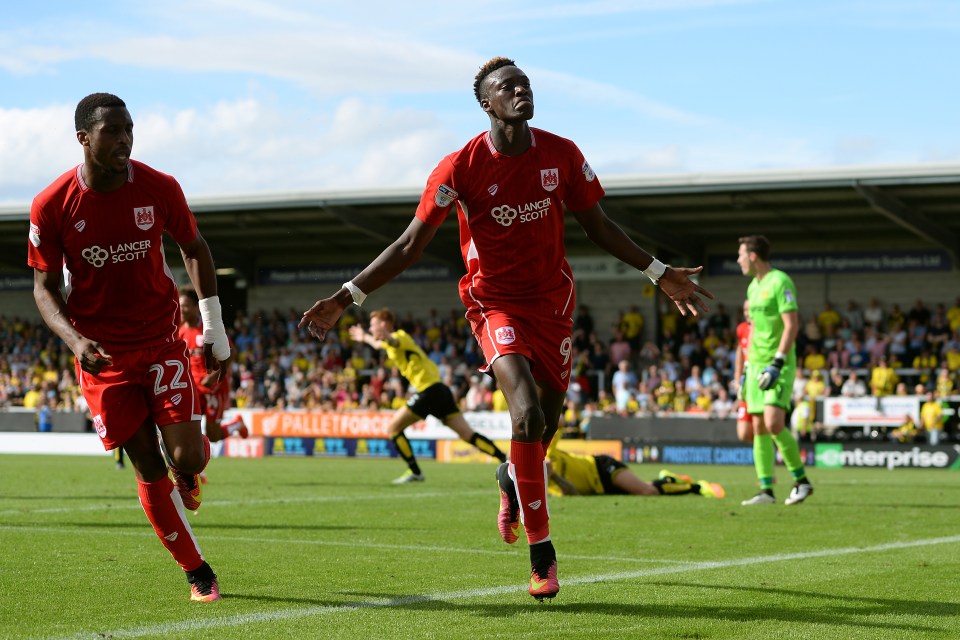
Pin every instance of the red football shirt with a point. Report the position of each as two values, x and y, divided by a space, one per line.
743 336
118 287
193 336
511 215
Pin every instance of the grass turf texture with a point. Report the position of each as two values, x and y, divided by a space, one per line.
328 548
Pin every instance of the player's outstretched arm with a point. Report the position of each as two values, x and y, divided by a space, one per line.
394 260
675 282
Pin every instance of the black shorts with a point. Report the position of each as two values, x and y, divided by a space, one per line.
608 467
436 400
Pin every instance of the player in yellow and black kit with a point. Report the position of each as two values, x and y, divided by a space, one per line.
431 397
584 475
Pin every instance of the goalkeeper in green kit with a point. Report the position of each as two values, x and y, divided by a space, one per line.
771 368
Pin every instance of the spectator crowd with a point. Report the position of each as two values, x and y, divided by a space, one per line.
862 350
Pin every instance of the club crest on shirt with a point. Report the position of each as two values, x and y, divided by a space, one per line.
143 217
588 172
505 335
445 196
549 179
34 235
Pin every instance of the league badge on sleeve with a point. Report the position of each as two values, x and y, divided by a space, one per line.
588 172
788 296
445 196
143 217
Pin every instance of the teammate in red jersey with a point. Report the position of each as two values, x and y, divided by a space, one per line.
744 421
213 388
510 186
101 224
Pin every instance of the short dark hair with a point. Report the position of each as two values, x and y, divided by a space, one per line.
86 114
189 291
758 245
492 65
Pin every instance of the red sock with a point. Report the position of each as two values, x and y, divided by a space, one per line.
527 459
164 508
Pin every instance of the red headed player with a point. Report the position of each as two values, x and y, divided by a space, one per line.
744 421
509 188
214 389
101 224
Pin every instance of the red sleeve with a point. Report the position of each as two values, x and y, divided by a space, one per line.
583 188
181 225
44 249
439 195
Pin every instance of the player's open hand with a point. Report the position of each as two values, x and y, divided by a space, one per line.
321 317
357 333
684 292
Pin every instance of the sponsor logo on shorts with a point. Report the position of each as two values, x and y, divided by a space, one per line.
34 235
176 399
588 172
444 196
505 335
143 217
535 504
171 536
80 226
549 179
492 189
99 426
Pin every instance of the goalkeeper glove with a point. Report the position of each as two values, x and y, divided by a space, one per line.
768 377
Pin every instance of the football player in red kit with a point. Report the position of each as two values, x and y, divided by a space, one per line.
509 187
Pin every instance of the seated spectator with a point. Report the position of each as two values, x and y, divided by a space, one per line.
828 318
883 379
813 359
853 386
873 314
926 363
906 432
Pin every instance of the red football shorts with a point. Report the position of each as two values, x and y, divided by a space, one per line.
154 383
742 415
546 342
213 403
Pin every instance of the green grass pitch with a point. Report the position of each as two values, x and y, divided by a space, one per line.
328 548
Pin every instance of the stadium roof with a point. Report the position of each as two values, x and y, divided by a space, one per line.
678 216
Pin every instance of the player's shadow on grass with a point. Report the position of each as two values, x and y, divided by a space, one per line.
835 613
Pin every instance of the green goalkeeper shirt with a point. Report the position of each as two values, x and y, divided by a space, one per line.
769 299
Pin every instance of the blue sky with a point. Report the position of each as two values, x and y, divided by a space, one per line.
243 96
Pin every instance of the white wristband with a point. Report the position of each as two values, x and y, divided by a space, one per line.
655 271
358 295
213 331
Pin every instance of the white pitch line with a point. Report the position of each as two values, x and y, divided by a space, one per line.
173 628
233 503
333 543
